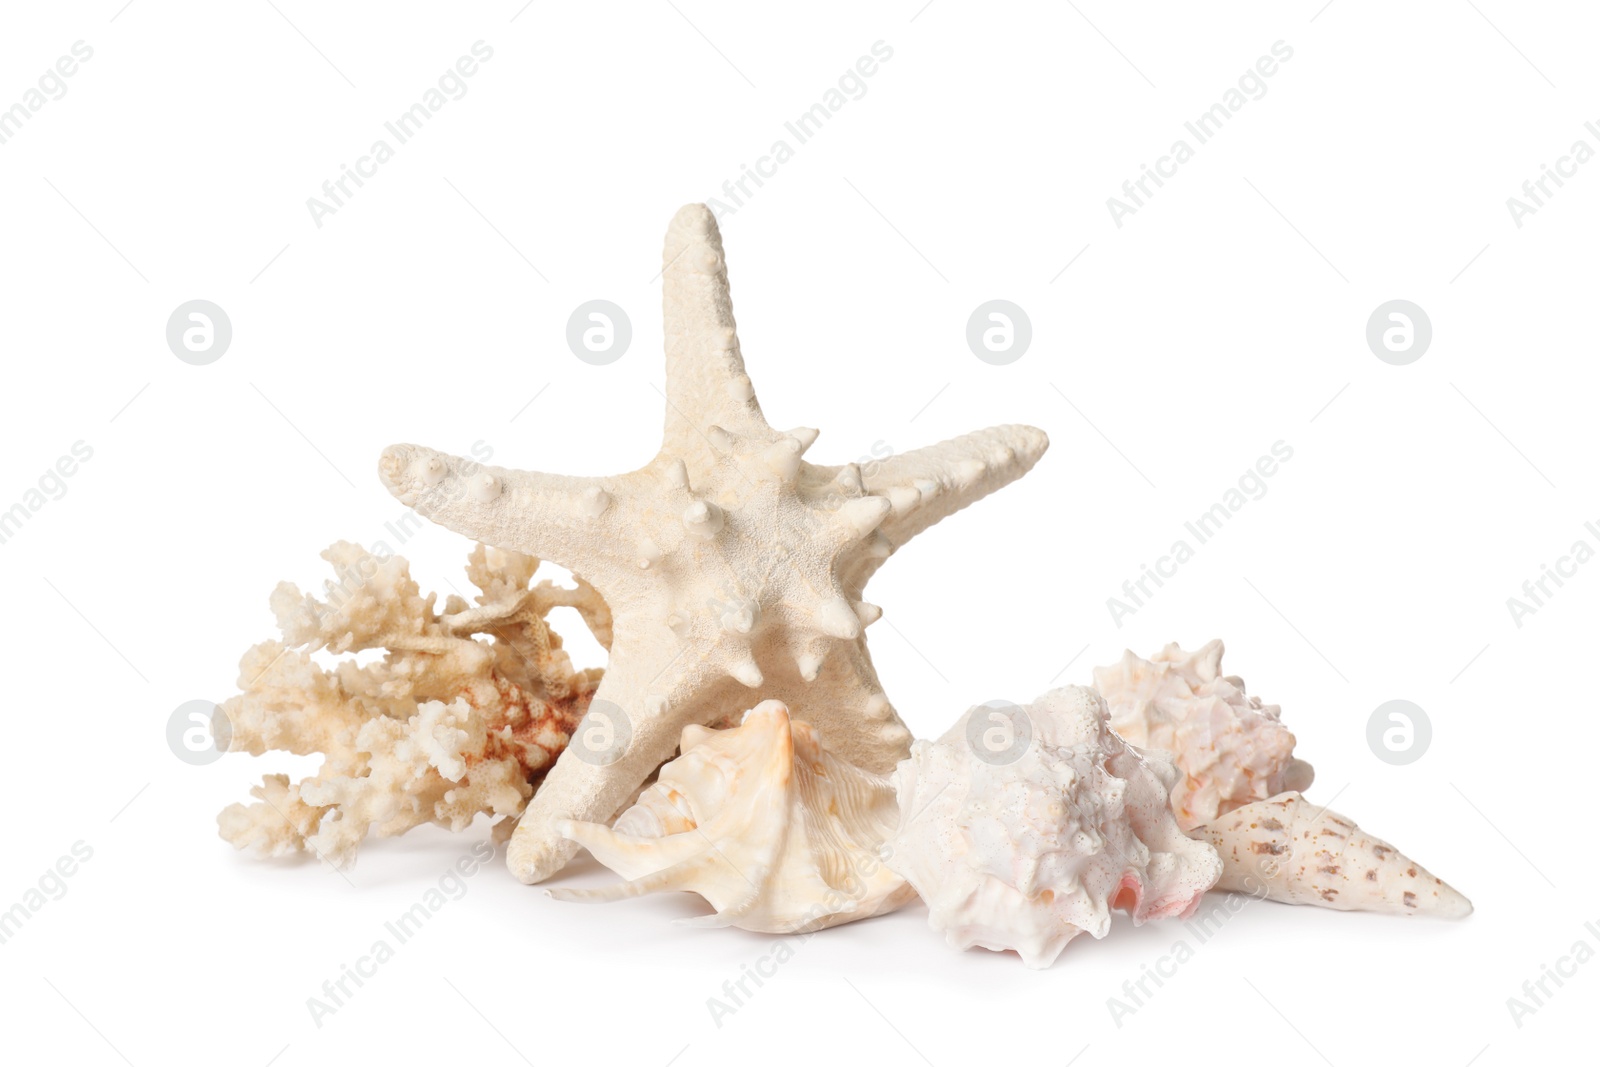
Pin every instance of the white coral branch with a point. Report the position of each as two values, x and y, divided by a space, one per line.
445 727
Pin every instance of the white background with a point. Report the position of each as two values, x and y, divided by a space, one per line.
1227 314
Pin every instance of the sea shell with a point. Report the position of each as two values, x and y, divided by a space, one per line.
1023 827
777 833
1291 850
1230 748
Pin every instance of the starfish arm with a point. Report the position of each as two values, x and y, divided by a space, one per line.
706 381
865 731
657 701
550 516
928 484
633 726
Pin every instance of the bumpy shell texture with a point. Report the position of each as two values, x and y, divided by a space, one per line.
1231 749
775 832
1028 850
444 727
1291 850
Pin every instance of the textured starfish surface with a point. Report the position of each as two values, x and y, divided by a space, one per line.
729 562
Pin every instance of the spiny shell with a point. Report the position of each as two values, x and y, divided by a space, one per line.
778 834
1026 851
1230 748
1299 853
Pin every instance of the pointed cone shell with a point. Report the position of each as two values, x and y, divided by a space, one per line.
1290 850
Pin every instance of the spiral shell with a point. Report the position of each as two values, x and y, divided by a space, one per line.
1231 749
775 832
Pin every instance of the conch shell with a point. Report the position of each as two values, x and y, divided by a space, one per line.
1230 748
778 834
1029 847
1290 850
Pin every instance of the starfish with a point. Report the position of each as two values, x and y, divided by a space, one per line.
729 562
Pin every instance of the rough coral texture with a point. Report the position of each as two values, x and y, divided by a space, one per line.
733 565
445 726
1231 749
1027 850
772 829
